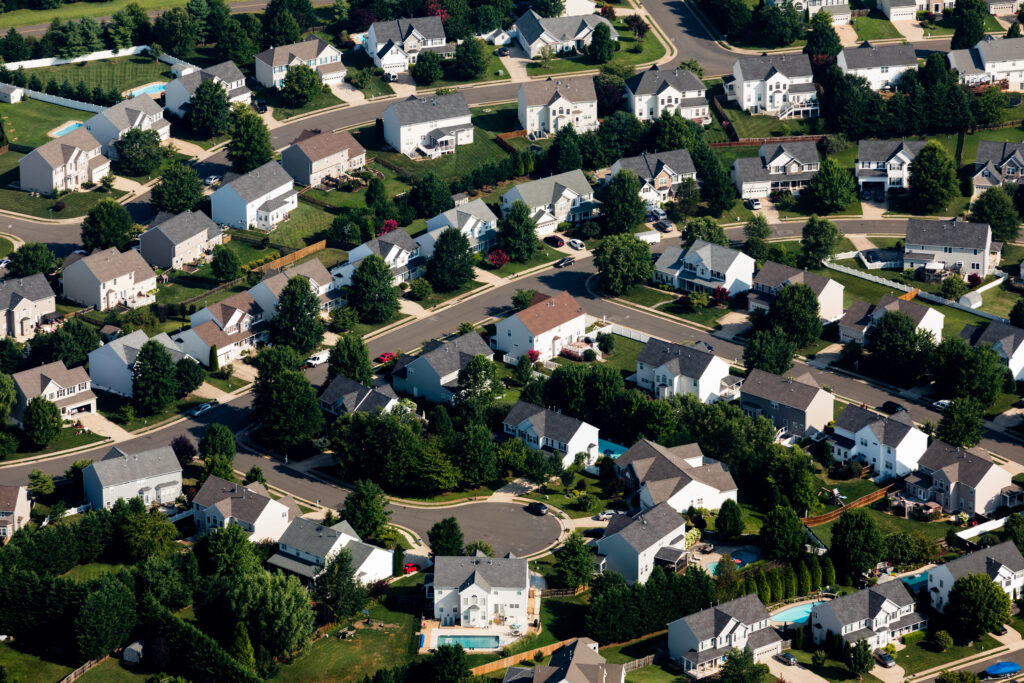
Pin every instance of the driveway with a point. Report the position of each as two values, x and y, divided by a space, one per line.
910 29
847 35
516 63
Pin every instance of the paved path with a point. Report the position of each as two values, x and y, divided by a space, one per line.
860 242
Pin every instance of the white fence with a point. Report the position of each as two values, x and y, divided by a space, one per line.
181 515
62 101
613 328
174 61
91 57
983 528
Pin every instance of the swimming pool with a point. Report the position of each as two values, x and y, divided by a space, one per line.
154 89
916 582
796 615
741 558
68 128
471 642
610 448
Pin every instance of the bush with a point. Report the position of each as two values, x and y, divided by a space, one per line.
915 637
59 206
942 641
589 356
420 289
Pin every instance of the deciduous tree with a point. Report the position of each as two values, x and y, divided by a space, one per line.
602 47
622 208
857 544
337 591
452 264
427 68
729 522
210 112
574 562
445 538
796 311
962 423
996 208
250 145
31 258
820 240
739 667
108 224
301 84
374 295
154 381
177 31
564 152
106 618
932 178
430 196
298 323
517 233
225 264
704 228
623 262
365 509
471 58
977 605
139 151
769 350
782 534
832 188
350 358
179 189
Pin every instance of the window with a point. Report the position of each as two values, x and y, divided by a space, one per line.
774 405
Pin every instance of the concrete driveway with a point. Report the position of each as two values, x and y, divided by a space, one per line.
516 63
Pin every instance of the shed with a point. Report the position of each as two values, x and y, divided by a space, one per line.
971 300
133 653
11 94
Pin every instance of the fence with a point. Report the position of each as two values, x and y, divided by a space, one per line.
503 139
639 663
80 671
91 57
293 257
219 288
562 592
744 142
62 101
613 328
818 520
174 61
506 662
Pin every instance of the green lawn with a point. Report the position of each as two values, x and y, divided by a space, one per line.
1004 401
998 301
727 155
357 59
652 51
340 198
119 73
875 27
554 494
543 255
113 671
5 247
77 10
852 209
23 666
997 134
229 385
283 111
109 406
833 671
622 357
887 242
751 126
182 285
28 122
363 329
169 158
330 257
737 213
707 316
183 132
440 297
847 158
75 204
93 570
646 296
905 205
947 27
890 524
919 657
67 439
494 70
306 224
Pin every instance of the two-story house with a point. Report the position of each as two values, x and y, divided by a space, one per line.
1004 339
840 11
773 276
394 45
705 267
343 395
109 278
267 292
559 34
313 156
562 436
307 546
434 373
546 326
681 476
779 85
576 662
64 164
112 366
173 241
956 246
15 510
990 61
660 174
880 65
699 642
478 591
997 163
259 199
860 317
400 252
547 106
24 303
959 480
154 476
69 389
777 167
474 220
1002 563
666 369
179 92
113 122
653 92
220 503
232 326
904 10
564 197
429 126
880 615
890 444
885 163
323 58
635 545
795 405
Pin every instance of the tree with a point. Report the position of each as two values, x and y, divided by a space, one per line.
31 258
832 188
517 233
217 442
452 265
298 323
373 292
522 298
154 381
623 262
179 189
729 522
42 421
1017 313
820 240
40 483
279 27
959 676
350 358
106 618
239 40
996 208
250 145
822 38
859 659
108 224
953 287
479 384
337 591
961 370
449 665
445 538
932 177
857 544
564 153
969 23
292 415
602 47
189 376
241 648
896 346
471 58
177 31
184 450
769 350
574 562
73 342
377 197
622 208
549 8
739 667
757 227
209 114
301 84
225 264
796 311
365 509
139 151
427 68
962 423
977 605
782 534
430 196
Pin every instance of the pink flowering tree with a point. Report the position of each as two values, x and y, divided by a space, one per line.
389 225
497 258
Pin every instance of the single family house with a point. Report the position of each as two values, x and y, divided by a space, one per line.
547 106
660 174
880 65
179 92
990 61
559 34
560 198
154 476
1002 563
394 45
474 219
778 85
890 444
480 591
429 126
113 122
15 510
958 480
576 662
109 278
563 436
220 503
885 164
653 92
346 396
795 405
681 476
324 59
307 546
64 164
313 156
400 252
705 267
880 615
666 369
773 276
635 545
548 325
259 199
1006 340
174 241
434 373
112 366
228 329
860 317
951 245
997 163
24 303
785 167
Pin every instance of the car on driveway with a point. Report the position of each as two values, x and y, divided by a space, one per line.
577 244
385 358
656 215
318 359
538 508
892 407
885 659
788 659
212 180
503 52
410 568
942 404
555 241
206 407
605 515
563 262
260 106
880 196
866 195
664 226
5 262
755 204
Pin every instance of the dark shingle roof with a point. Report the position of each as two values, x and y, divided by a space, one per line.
890 429
398 30
34 288
532 26
954 233
868 56
547 423
354 397
710 622
665 470
988 561
434 108
788 391
244 502
883 150
774 275
495 572
1005 336
545 92
649 527
966 467
179 228
448 356
998 152
761 67
656 79
310 536
681 359
648 166
865 604
118 467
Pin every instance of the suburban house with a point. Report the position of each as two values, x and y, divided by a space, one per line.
956 246
902 10
774 276
546 106
678 91
700 641
307 546
112 366
840 11
68 389
400 252
343 395
1006 340
323 58
394 45
880 615
705 267
958 480
474 220
861 316
267 291
634 546
63 164
681 476
136 112
428 126
15 510
259 199
885 164
788 166
179 92
795 405
990 61
24 302
559 34
666 369
434 373
1003 563
109 278
890 444
313 156
576 662
153 475
548 325
188 237
660 174
997 163
232 326
880 65
562 436
564 197
478 591
779 85
219 503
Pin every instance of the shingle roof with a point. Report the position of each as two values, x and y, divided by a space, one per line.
495 572
549 312
793 392
774 275
648 166
954 233
532 26
58 152
883 150
761 67
185 225
318 146
33 381
110 263
354 397
681 359
911 309
577 662
545 92
9 497
226 72
544 191
756 168
649 527
225 308
998 153
446 357
889 429
865 604
433 108
1000 49
34 288
381 244
988 561
666 470
119 467
1007 337
710 622
398 30
127 347
310 536
964 466
461 215
804 152
546 423
656 79
259 181
244 502
304 51
868 56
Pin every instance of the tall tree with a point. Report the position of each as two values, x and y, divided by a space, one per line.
996 208
969 23
240 39
517 233
452 264
471 58
740 667
73 342
549 8
574 563
479 384
8 397
823 41
857 544
225 263
189 375
977 605
832 188
106 618
218 442
298 323
179 189
622 208
177 31
796 311
782 534
337 591
820 240
602 47
430 196
445 538
897 347
564 152
350 358
279 26
704 228
962 423
365 509
154 381
932 177
374 295
427 68
769 350
210 113
859 659
729 522
301 84
139 151
292 416
623 262
108 224
31 258
250 145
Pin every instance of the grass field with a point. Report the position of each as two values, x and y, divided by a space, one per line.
23 666
494 70
357 199
947 27
440 297
27 122
282 111
184 286
305 226
833 671
652 51
646 296
93 570
543 255
77 10
622 358
919 657
119 73
113 671
357 59
554 494
889 524
5 247
751 126
170 158
707 316
854 208
886 242
65 440
228 385
875 27
905 205
109 406
997 134
75 204
727 155
999 301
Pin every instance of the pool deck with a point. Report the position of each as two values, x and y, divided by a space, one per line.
705 560
56 132
137 89
791 605
431 629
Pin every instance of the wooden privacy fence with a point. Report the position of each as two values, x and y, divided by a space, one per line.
562 592
503 139
293 257
80 671
639 663
818 520
506 662
744 142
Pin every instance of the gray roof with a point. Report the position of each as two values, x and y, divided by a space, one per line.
710 622
804 152
577 662
999 153
398 30
227 72
868 56
34 288
547 423
119 467
185 225
648 166
889 429
354 397
753 169
58 152
544 191
988 561
126 113
259 181
865 604
860 314
33 381
761 67
494 572
681 359
532 26
954 233
446 357
1007 337
715 256
649 527
304 50
775 275
433 108
107 264
545 92
959 465
460 215
883 150
1000 49
312 536
245 502
127 347
666 471
656 79
792 392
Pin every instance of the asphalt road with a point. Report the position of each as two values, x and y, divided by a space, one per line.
1017 657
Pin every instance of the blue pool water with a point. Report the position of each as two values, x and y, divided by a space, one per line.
796 615
745 557
471 642
610 448
917 581
154 89
68 128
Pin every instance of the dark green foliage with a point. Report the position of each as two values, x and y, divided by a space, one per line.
31 258
139 151
623 262
301 84
769 350
73 341
225 264
729 522
977 605
154 381
106 618
179 189
427 69
622 208
250 145
297 323
337 591
857 544
445 538
365 509
189 375
41 421
107 225
452 264
430 196
471 58
373 293
350 358
517 233
782 534
932 178
795 311
564 153
962 423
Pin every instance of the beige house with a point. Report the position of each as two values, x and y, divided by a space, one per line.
959 480
323 58
70 389
64 164
315 156
23 304
108 278
15 509
772 277
233 326
188 237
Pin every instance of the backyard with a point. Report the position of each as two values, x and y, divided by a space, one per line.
890 524
305 225
75 203
28 122
622 357
751 126
183 285
25 666
652 50
118 74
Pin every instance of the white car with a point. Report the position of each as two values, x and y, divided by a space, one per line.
317 359
202 409
577 244
212 180
941 405
5 262
755 204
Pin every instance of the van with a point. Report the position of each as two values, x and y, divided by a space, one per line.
651 236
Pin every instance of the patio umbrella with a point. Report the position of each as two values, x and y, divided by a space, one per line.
1002 669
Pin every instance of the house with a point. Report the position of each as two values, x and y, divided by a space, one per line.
259 199
990 61
705 267
434 373
474 219
1003 563
634 546
232 326
188 237
788 166
267 292
24 302
314 156
956 246
220 503
429 126
113 122
1006 340
880 615
774 276
323 58
63 164
108 278
779 85
560 198
840 11
112 366
576 662
343 395
958 480
700 641
653 92
860 317
546 106
68 389
307 546
795 405
900 10
681 476
544 429
890 444
997 163
400 252
559 34
666 369
394 45
885 164
153 475
546 326
477 591
880 65
11 94
661 174
15 510
179 92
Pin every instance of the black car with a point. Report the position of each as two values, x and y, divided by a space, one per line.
260 106
503 52
567 261
538 508
555 241
892 407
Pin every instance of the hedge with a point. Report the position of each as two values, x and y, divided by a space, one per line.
914 637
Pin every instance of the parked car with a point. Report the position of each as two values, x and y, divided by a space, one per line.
942 404
1001 632
410 567
385 357
81 252
657 215
563 262
206 407
788 659
664 226
212 180
866 195
879 195
260 106
538 508
892 407
5 262
503 52
605 515
755 204
390 76
577 244
317 359
885 659
555 241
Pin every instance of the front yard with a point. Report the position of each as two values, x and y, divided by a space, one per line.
651 51
555 494
920 657
494 70
109 406
67 439
283 110
646 296
541 257
75 204
875 26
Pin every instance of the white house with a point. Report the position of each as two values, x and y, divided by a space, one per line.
576 662
795 405
902 10
174 241
957 246
64 164
267 292
681 476
885 163
634 546
774 276
861 317
786 166
137 112
997 163
880 615
1006 340
480 591
666 369
991 60
958 480
220 503
653 92
660 174
233 326
343 395
546 106
15 510
434 373
474 220
111 366
546 326
700 641
560 198
307 546
563 436
560 34
1002 563
259 199
840 11
705 267
429 126
779 85
890 444
179 92
68 389
153 475
394 45
880 65
108 278
400 252
24 303
323 58
316 156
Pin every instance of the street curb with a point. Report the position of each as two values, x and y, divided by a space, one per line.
57 454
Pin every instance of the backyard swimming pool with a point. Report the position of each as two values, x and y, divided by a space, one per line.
796 615
155 89
740 558
916 582
610 448
68 128
471 642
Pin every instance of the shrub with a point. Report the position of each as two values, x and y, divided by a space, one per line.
590 355
942 641
388 226
420 289
974 280
915 637
497 258
59 206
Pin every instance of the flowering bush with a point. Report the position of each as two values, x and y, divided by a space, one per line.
497 258
389 225
720 296
974 280
533 355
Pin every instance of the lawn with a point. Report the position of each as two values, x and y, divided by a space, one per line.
169 158
890 524
5 247
727 155
75 204
494 70
109 406
77 10
646 296
622 357
28 122
113 671
750 126
875 27
182 285
652 51
283 111
887 242
802 211
230 384
904 205
183 132
832 671
440 297
847 158
947 27
306 224
93 570
66 440
996 134
23 666
707 317
357 59
737 213
542 256
341 198
1004 401
330 257
1011 257
363 329
555 494
919 657
118 74
998 301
